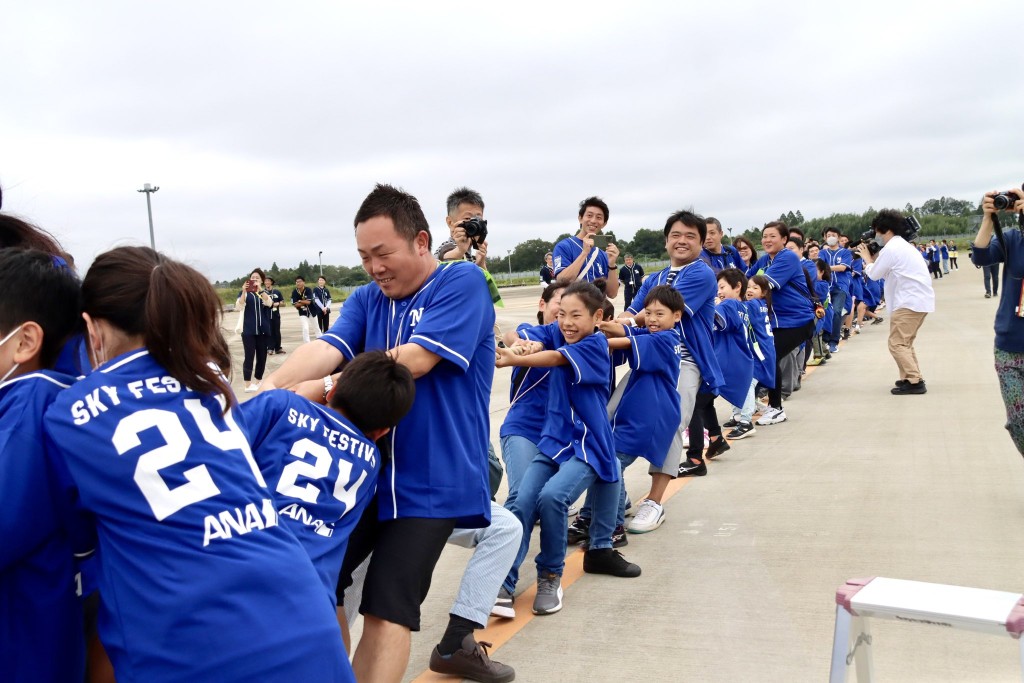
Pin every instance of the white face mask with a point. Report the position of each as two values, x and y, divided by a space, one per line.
4 341
831 240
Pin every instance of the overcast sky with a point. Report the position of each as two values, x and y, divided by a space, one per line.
265 124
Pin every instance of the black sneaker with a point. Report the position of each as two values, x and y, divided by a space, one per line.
731 422
846 333
742 431
609 561
579 530
901 382
878 320
690 469
472 662
716 447
909 388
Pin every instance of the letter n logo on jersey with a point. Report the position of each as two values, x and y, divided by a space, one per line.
414 316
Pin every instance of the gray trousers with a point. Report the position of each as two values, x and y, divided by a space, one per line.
790 365
689 383
494 551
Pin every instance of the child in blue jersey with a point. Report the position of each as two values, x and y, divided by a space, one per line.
198 580
762 350
41 636
321 463
528 393
735 358
648 413
822 287
577 449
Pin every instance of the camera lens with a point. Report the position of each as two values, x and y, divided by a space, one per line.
1003 200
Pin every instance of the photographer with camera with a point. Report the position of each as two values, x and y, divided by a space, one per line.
908 289
468 229
1006 248
576 257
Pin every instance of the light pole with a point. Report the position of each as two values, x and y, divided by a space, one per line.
149 189
510 266
320 258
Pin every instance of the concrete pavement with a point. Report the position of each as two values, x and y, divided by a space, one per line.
738 584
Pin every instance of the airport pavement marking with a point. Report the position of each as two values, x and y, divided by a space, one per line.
500 631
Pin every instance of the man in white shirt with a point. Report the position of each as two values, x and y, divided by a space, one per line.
908 292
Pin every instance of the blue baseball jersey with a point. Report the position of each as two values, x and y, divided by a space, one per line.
569 249
577 415
872 292
199 582
944 251
727 258
321 470
41 636
762 341
791 300
857 285
732 346
439 449
528 394
839 257
1010 252
648 413
697 283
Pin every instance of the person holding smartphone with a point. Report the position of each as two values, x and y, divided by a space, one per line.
255 327
576 257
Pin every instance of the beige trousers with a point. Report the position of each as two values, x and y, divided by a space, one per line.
903 326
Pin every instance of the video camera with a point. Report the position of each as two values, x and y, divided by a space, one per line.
476 230
909 230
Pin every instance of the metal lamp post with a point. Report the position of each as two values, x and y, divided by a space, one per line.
320 258
150 189
510 266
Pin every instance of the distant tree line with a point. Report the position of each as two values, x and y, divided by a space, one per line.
336 276
942 216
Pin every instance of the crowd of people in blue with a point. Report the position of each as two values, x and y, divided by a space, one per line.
180 534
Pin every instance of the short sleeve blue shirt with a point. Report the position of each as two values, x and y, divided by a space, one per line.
528 393
577 419
439 449
189 541
40 616
764 351
321 470
569 249
839 257
791 300
697 283
732 346
648 413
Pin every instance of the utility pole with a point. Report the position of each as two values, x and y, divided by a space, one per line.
320 258
149 189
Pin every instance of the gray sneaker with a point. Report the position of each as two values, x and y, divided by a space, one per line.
504 605
549 594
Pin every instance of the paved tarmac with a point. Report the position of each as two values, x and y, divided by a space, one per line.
739 583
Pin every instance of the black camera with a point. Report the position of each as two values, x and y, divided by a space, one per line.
868 237
1005 200
476 230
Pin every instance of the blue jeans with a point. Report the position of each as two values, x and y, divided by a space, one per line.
517 452
835 334
745 413
545 492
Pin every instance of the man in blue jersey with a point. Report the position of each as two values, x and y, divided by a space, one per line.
840 261
714 254
41 635
685 233
437 320
576 258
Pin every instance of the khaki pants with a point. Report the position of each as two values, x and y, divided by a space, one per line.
903 326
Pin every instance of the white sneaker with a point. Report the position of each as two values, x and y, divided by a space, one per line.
686 438
772 416
649 516
253 388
